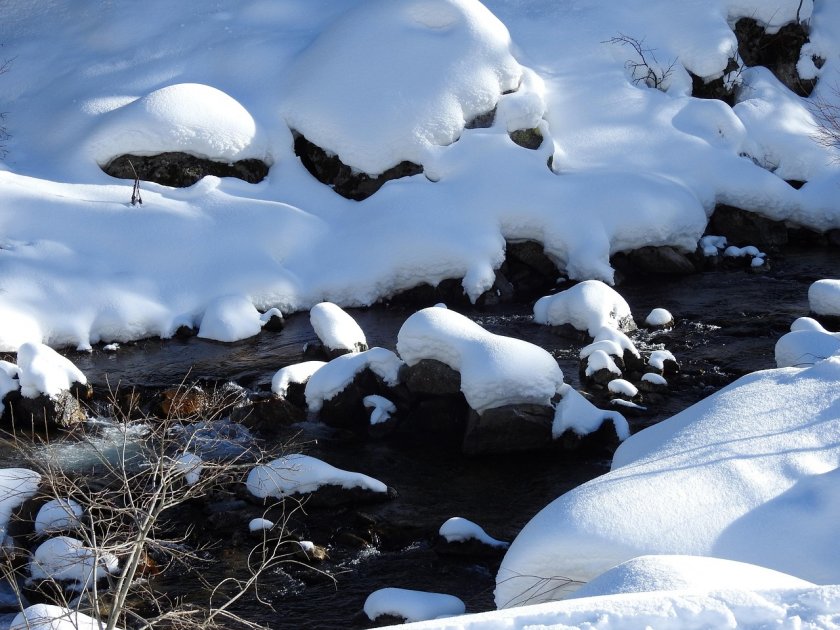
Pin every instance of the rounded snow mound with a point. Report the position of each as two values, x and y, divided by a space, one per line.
590 305
186 117
824 297
390 80
495 370
672 572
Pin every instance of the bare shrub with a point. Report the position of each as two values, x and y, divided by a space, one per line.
644 67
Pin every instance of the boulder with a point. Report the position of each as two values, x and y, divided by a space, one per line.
655 260
430 377
747 228
181 169
508 429
43 413
268 415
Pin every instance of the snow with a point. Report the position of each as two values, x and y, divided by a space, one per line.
298 373
576 413
748 474
804 347
44 371
622 387
302 474
375 83
458 529
412 605
230 318
16 486
658 357
659 317
655 379
589 306
259 525
495 370
336 329
824 297
600 360
190 465
332 378
68 559
58 515
381 408
51 617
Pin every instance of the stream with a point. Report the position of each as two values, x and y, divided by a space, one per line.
727 323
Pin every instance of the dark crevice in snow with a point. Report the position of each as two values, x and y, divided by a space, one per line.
721 88
482 121
328 169
779 52
527 138
180 170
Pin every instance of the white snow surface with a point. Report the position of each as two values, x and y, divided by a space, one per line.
659 317
412 605
64 558
302 474
677 573
230 318
375 82
58 515
814 608
748 474
331 379
190 466
298 373
336 329
589 305
576 413
495 370
51 617
259 525
43 371
824 297
380 408
806 346
458 529
16 486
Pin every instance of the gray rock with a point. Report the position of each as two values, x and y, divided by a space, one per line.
508 429
42 414
268 415
747 228
430 377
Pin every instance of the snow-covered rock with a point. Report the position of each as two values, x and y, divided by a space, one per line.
16 486
58 515
230 318
299 374
806 346
44 371
380 408
575 413
824 297
67 559
495 370
412 605
190 466
659 317
748 474
331 379
458 529
336 329
588 306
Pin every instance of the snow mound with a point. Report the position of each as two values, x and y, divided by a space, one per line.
448 60
336 329
259 524
457 529
230 318
302 474
298 373
412 605
732 476
676 573
332 378
824 297
590 305
51 617
44 371
58 515
576 413
495 370
186 117
806 346
68 559
659 317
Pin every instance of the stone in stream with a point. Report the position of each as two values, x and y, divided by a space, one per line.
508 429
43 413
268 415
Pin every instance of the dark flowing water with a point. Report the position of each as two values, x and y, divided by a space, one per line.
727 325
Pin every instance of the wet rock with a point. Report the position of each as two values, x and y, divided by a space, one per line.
430 377
268 416
528 268
275 323
182 403
527 138
748 228
180 170
601 442
43 413
654 260
346 410
779 52
330 170
508 429
450 291
439 421
716 88
471 548
501 292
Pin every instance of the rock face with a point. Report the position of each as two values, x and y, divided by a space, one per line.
268 415
508 429
429 377
42 414
330 170
740 226
654 260
180 170
779 52
716 88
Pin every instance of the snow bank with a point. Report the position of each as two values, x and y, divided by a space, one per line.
336 329
302 474
58 515
824 297
298 373
44 371
412 605
50 617
446 60
230 318
332 378
732 476
589 306
495 370
187 117
457 529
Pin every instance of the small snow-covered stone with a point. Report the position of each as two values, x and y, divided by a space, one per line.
575 413
600 365
43 371
662 360
68 559
457 529
332 378
190 465
654 379
299 373
824 297
659 318
589 305
621 387
258 525
336 329
412 605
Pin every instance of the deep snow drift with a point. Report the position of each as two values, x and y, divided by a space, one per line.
375 83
